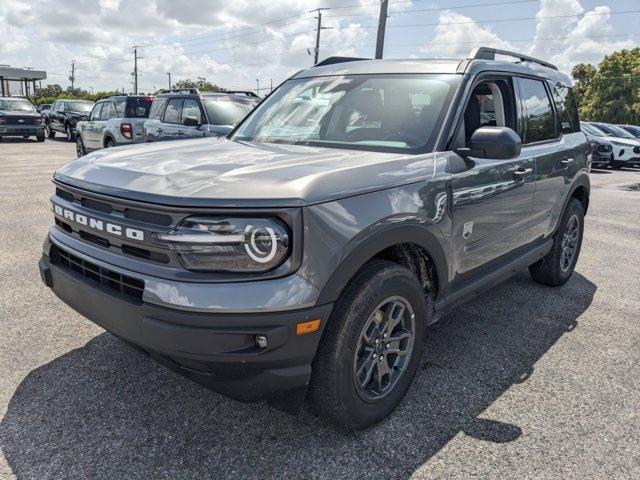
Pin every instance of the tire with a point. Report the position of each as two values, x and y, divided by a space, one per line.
70 132
25 136
617 165
333 392
40 138
109 143
555 268
81 151
50 132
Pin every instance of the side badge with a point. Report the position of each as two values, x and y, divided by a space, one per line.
467 230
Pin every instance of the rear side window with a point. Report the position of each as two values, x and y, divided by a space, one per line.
539 122
227 111
138 107
567 108
157 107
172 113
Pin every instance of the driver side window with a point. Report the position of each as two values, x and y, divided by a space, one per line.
491 104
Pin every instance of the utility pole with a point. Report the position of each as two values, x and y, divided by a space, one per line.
135 69
169 75
73 73
316 51
382 25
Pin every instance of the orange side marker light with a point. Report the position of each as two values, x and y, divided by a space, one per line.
307 327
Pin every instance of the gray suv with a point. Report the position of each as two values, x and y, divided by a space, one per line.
187 113
113 121
305 255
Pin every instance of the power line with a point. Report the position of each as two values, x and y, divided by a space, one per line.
436 9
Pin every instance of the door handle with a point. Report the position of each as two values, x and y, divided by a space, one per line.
566 162
522 173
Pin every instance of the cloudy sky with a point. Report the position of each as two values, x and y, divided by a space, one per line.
233 43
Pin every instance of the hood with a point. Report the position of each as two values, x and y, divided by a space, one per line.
598 140
624 141
221 172
18 113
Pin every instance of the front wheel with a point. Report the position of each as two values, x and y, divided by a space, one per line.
40 138
371 347
70 132
617 165
558 265
50 132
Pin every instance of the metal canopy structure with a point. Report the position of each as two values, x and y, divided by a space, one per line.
24 79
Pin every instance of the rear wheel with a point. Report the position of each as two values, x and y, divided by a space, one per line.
109 143
558 265
40 138
371 347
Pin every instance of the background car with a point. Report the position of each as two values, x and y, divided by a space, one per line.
42 107
190 114
112 122
601 148
64 115
632 129
18 118
626 147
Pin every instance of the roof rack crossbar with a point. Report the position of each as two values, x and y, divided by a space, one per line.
488 53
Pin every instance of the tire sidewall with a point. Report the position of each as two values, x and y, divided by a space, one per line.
402 283
574 208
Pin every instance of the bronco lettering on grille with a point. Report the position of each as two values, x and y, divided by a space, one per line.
100 225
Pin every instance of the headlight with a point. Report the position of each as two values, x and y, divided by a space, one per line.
224 244
3 120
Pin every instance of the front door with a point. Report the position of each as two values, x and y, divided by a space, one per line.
492 199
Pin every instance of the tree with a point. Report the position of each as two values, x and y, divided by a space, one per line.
201 85
610 92
53 90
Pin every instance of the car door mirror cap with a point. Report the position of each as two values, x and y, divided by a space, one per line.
190 122
500 143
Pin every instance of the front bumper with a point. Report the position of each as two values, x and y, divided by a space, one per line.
11 130
217 350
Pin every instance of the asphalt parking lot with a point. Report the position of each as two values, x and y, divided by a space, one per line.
525 382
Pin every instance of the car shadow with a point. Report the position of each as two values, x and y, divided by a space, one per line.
106 411
18 140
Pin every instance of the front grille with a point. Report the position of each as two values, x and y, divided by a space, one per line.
26 120
114 281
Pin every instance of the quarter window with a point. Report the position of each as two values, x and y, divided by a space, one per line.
157 107
539 122
172 113
567 108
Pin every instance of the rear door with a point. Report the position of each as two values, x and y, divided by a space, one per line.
552 152
492 198
88 133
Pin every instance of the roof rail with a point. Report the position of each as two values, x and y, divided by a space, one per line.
488 53
248 93
179 90
333 60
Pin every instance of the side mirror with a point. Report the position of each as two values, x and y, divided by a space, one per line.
500 143
84 117
190 122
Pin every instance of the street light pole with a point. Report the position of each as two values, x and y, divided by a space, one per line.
382 25
169 75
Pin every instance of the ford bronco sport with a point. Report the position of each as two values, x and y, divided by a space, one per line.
304 255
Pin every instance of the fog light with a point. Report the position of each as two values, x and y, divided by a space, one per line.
261 341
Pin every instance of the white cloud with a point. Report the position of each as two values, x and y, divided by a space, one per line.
457 34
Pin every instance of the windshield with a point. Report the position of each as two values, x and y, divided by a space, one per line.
619 132
591 130
17 104
80 106
227 111
369 112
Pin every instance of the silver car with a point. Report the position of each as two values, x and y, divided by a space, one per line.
113 121
188 113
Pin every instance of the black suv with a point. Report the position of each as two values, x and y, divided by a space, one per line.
304 255
187 113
